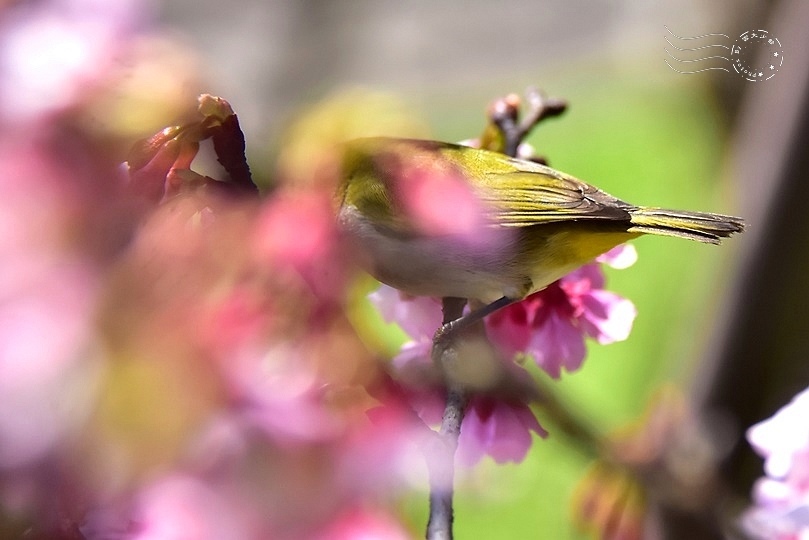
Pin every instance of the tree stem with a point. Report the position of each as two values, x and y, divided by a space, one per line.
441 460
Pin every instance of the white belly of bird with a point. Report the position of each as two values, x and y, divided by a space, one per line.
460 266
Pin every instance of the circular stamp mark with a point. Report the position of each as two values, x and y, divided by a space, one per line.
757 55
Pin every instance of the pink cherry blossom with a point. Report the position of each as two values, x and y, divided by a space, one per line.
498 428
494 425
551 324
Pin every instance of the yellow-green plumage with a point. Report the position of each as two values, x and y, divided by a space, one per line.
539 223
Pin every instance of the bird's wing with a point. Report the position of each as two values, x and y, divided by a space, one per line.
543 195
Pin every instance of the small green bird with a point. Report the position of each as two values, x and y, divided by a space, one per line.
443 220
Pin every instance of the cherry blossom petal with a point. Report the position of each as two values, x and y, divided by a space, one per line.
557 344
509 329
418 316
619 257
607 317
497 428
779 438
583 280
781 499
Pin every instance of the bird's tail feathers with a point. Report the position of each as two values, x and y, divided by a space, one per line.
699 226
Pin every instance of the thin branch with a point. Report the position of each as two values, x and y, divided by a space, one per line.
442 472
504 113
441 461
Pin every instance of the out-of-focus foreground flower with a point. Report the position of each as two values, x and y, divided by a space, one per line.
175 359
781 498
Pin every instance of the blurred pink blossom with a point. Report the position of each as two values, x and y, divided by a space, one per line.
49 366
297 236
418 316
385 453
425 189
363 524
48 375
783 438
53 51
781 499
182 507
277 391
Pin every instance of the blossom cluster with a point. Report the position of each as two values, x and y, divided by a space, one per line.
549 326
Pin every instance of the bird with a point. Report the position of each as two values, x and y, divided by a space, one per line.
439 219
